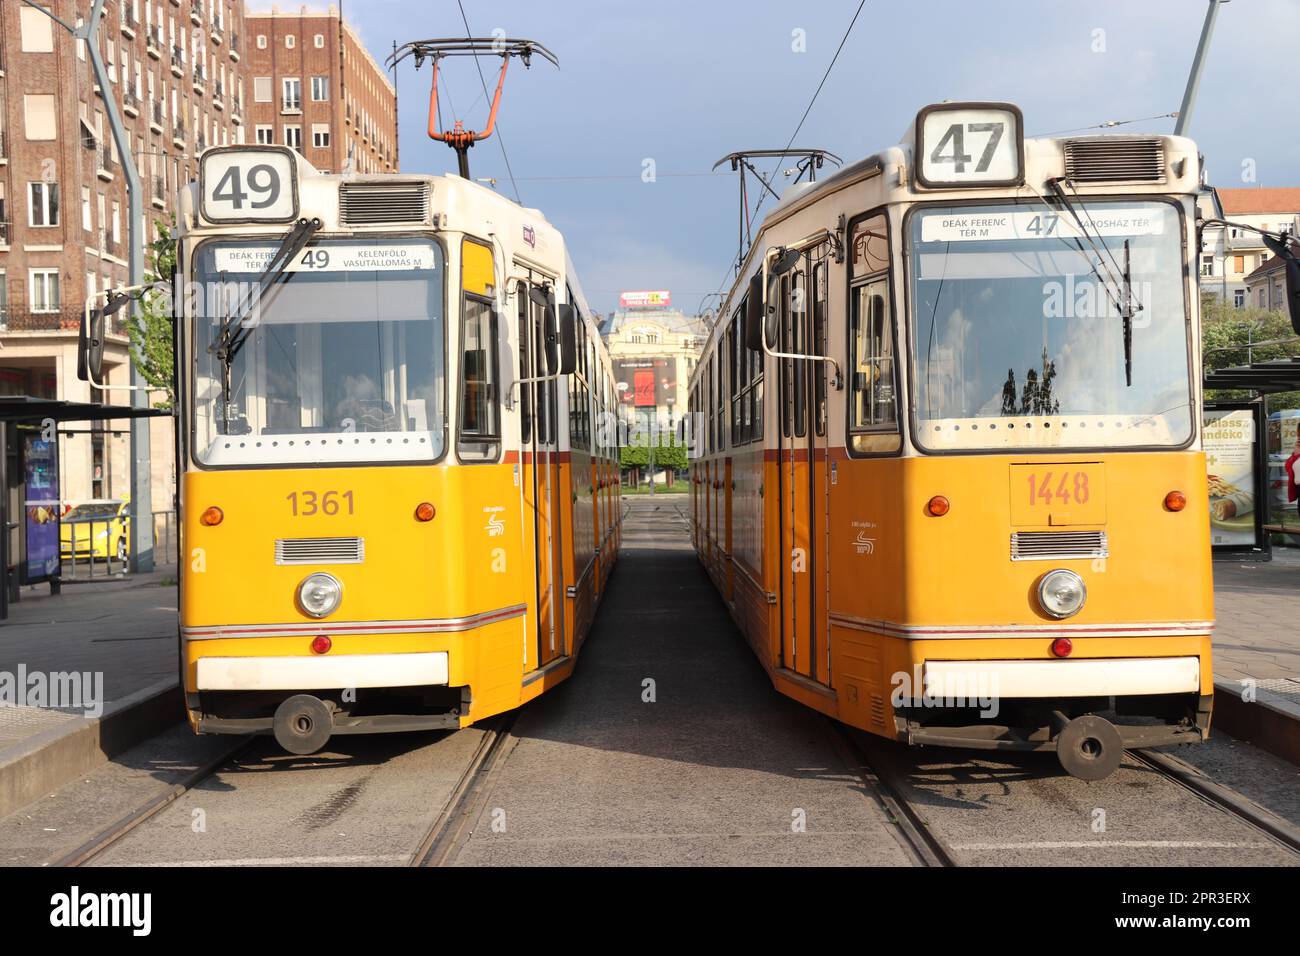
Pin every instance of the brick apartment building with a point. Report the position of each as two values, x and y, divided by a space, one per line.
175 72
316 88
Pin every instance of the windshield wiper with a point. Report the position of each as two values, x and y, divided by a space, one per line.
235 330
1122 297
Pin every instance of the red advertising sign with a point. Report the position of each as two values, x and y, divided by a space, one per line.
644 387
660 298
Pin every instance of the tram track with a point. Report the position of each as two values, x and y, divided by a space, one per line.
120 827
879 771
1221 797
454 824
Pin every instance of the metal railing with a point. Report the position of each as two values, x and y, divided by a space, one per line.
158 112
4 233
178 59
153 38
199 76
105 157
23 319
178 131
79 549
159 187
129 99
234 43
2 144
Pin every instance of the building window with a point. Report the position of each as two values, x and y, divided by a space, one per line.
117 223
292 94
40 116
86 222
265 135
319 40
37 30
293 137
320 135
290 42
1207 265
1239 298
320 89
44 290
261 41
261 89
43 205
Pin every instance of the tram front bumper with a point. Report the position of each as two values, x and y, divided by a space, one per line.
1022 704
333 672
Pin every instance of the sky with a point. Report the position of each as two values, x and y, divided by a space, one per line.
684 83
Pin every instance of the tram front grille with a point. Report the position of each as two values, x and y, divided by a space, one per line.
1115 159
1052 545
367 203
320 550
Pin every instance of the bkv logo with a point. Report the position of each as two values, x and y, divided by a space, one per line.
864 545
1089 299
496 525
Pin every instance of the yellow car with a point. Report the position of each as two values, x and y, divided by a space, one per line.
97 529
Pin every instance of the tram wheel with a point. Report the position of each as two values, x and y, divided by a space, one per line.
1089 747
303 724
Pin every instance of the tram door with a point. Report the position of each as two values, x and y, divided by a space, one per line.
539 427
804 502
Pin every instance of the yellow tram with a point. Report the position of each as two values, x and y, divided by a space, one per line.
398 508
947 469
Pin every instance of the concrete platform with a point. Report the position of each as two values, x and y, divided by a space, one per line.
669 747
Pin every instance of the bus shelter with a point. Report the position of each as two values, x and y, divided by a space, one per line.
1245 452
30 507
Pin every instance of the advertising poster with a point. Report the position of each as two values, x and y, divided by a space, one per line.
1230 457
645 382
40 508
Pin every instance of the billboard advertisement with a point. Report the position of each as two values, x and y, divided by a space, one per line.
648 299
645 382
1232 465
40 509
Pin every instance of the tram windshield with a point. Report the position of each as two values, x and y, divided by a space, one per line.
341 360
1017 332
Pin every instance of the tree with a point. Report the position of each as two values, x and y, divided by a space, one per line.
151 332
1232 336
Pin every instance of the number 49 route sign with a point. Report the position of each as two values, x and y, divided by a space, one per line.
240 184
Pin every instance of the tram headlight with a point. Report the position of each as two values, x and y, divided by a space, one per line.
319 594
1061 593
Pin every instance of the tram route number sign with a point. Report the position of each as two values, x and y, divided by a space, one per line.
246 185
969 145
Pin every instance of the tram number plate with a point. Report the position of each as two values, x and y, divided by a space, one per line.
1058 493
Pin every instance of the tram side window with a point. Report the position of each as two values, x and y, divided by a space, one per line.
873 393
799 330
480 431
525 342
819 347
735 360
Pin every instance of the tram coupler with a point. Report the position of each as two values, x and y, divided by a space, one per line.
1089 747
303 724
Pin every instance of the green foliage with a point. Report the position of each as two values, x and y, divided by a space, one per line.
1228 337
150 331
668 454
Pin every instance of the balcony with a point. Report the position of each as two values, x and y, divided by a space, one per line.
200 143
130 103
178 134
153 42
4 156
156 117
234 46
196 12
4 234
105 166
129 23
23 319
178 61
199 79
159 198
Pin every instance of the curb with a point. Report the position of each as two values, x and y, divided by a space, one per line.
47 760
1271 722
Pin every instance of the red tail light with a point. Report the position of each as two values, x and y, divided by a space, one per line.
1062 647
321 645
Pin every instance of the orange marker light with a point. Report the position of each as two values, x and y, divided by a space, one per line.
1175 501
321 645
1062 647
937 506
212 516
424 511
